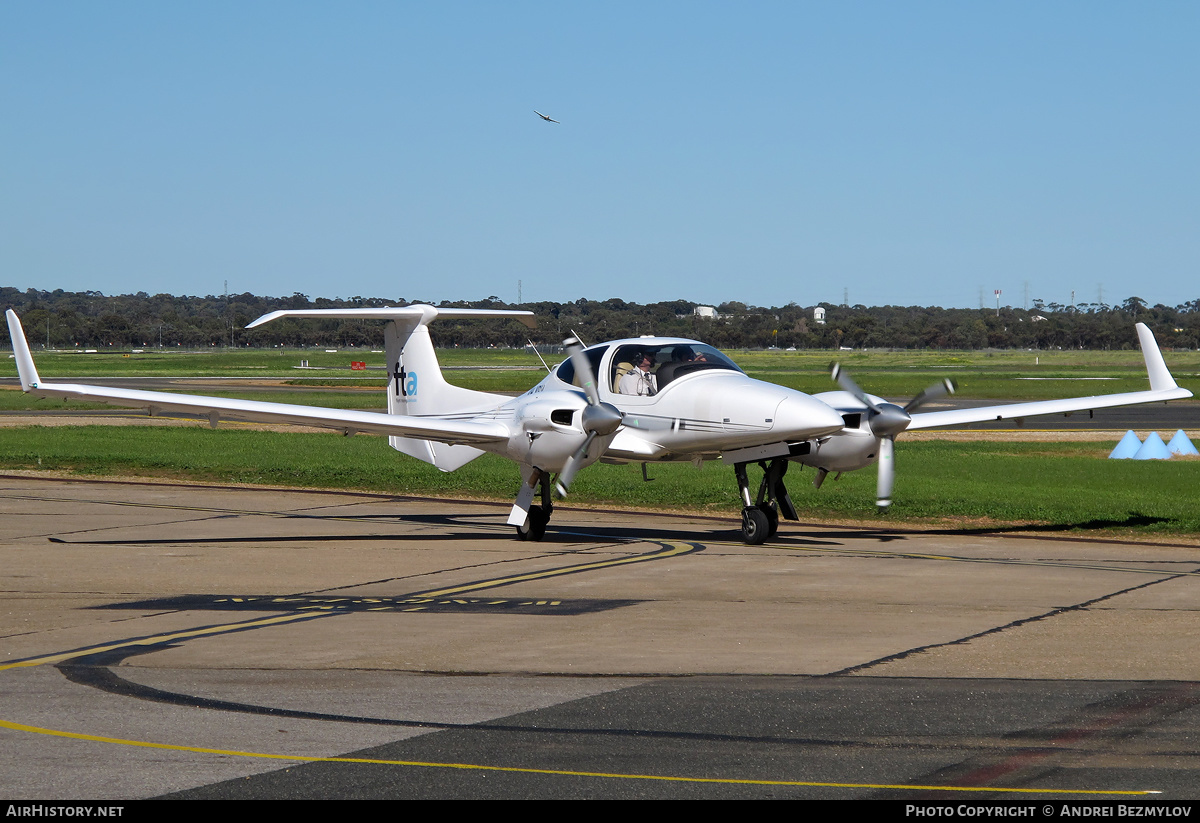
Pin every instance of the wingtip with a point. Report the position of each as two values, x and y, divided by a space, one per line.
266 318
1156 367
25 368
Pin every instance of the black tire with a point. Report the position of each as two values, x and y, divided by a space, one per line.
772 514
756 526
535 529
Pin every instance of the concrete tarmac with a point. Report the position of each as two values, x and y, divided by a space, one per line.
199 641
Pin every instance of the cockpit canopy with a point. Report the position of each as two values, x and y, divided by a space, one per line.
671 361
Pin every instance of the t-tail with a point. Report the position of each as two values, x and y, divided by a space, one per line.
416 387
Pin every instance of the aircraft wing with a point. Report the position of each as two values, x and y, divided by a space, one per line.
442 430
1162 388
1012 411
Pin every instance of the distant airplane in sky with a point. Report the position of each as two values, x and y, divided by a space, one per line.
544 117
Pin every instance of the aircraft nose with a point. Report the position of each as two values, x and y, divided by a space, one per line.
802 417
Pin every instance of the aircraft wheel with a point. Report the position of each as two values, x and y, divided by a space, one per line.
756 526
535 528
772 514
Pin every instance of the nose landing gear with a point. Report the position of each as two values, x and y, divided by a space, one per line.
530 520
760 517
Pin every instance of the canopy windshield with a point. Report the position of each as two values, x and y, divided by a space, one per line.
670 361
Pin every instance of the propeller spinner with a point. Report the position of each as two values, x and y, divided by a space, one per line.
886 421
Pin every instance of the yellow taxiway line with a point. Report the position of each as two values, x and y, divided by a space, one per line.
739 781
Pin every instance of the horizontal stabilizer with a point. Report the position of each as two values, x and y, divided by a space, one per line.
422 314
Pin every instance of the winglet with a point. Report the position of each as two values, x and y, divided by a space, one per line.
25 367
1160 377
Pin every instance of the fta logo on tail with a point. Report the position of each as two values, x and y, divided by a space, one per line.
406 383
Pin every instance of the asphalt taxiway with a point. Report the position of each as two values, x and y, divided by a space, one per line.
199 641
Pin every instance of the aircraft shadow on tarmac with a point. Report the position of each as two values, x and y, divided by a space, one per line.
482 526
1134 520
455 527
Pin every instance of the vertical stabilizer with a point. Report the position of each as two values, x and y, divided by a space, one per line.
416 387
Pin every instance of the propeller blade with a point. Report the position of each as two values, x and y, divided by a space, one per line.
847 383
583 370
572 466
942 388
887 421
887 472
598 419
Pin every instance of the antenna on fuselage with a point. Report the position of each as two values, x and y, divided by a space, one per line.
580 339
539 354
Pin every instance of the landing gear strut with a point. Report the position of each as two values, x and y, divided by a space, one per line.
533 526
760 517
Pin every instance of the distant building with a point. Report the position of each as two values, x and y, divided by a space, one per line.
819 315
706 312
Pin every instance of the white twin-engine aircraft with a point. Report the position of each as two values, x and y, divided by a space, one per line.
697 406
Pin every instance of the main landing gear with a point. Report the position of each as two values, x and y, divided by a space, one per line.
760 518
533 526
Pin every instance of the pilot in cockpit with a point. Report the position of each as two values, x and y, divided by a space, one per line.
640 382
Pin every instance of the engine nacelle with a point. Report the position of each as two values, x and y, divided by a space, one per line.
549 431
849 450
855 446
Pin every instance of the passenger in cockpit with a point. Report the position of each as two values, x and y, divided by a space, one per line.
680 356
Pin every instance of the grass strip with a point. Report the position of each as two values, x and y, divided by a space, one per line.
1061 487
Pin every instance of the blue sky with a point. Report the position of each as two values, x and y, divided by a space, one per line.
903 152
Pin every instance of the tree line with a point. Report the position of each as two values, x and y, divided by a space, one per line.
61 319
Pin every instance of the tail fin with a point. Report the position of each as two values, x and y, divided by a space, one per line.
25 367
416 387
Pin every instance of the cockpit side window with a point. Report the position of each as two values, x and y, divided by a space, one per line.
565 370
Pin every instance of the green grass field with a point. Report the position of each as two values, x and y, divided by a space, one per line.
1058 487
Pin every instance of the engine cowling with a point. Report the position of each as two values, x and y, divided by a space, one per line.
548 431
